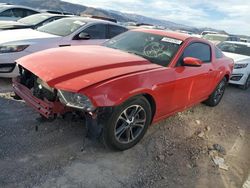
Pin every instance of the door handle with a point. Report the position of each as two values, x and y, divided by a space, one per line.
64 45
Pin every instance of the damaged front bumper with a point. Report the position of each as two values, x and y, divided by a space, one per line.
44 107
94 121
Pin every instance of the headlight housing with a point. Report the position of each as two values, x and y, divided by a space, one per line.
76 100
240 66
12 48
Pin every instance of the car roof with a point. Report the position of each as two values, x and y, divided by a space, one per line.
210 31
57 12
91 20
7 6
172 34
217 34
51 15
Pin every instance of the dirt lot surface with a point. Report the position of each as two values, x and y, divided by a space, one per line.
175 153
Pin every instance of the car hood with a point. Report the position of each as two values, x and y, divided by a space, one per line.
10 36
237 57
8 22
75 68
12 25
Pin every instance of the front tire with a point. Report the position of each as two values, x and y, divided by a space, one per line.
215 98
128 124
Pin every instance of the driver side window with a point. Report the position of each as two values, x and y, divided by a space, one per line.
97 31
19 13
197 50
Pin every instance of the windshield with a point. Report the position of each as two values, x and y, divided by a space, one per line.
215 37
34 19
155 48
62 27
235 48
2 8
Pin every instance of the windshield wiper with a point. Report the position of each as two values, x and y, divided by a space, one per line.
134 53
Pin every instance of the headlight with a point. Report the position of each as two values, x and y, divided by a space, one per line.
12 48
240 66
76 100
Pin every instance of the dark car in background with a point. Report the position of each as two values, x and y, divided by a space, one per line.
15 12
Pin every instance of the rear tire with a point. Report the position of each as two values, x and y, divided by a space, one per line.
215 98
128 124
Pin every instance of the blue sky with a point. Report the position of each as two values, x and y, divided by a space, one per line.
230 15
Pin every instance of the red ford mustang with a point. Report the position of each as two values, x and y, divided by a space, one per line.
136 78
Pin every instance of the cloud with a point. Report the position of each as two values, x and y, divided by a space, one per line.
230 15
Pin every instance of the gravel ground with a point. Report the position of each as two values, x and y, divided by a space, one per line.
176 152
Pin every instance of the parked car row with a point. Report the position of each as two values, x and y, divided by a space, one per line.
17 43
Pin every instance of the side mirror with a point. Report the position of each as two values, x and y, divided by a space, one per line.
192 62
84 36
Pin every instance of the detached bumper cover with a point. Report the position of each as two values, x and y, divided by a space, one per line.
44 107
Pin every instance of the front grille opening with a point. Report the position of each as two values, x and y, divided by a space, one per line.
26 77
32 82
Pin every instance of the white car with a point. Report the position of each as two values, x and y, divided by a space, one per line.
218 38
15 12
240 52
208 32
15 44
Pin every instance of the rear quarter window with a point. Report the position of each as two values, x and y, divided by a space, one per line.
218 53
